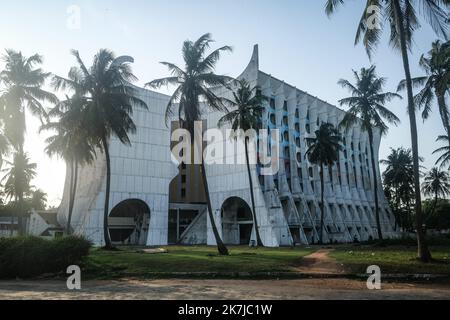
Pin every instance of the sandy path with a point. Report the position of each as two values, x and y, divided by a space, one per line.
220 290
320 262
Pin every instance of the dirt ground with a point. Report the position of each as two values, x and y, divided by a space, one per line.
340 289
302 289
320 262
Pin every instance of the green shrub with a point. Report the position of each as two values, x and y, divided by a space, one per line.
410 241
26 257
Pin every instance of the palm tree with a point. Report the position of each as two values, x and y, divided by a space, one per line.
70 142
399 178
367 108
17 181
435 83
436 183
38 199
246 116
194 84
4 147
23 81
107 99
401 15
444 158
324 150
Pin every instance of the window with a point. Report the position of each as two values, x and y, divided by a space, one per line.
183 193
272 119
183 178
311 172
285 121
297 114
272 103
308 128
297 127
285 106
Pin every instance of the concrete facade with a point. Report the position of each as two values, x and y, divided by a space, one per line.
287 204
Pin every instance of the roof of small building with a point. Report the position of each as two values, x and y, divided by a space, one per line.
50 217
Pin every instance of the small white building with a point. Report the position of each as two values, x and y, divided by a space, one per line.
44 224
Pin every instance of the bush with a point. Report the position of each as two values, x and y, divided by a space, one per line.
26 257
410 241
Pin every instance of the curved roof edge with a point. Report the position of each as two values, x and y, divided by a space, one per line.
250 73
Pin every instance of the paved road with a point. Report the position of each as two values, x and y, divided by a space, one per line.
220 290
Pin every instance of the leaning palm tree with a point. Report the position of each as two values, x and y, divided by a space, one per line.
71 143
17 181
436 184
107 98
193 85
401 16
23 82
436 83
367 107
246 116
324 150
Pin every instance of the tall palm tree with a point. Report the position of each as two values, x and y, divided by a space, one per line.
436 83
399 178
17 181
401 15
246 116
4 147
71 143
23 82
324 150
444 158
436 184
108 99
367 107
193 85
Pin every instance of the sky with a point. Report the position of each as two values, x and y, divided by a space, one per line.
298 43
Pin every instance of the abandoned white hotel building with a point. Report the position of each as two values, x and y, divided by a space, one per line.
154 202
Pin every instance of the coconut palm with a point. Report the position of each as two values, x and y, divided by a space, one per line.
17 181
367 107
107 98
436 184
23 82
444 158
71 143
246 116
193 85
324 150
403 21
399 178
38 199
436 83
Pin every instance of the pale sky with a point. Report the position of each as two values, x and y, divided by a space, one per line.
298 44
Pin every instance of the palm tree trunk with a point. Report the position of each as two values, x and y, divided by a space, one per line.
321 203
255 221
375 186
21 214
73 187
108 244
422 249
220 245
444 114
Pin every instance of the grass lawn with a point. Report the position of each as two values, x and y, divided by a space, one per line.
129 262
398 259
